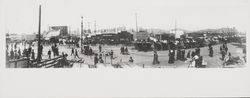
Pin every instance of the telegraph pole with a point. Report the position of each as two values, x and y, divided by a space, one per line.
69 31
88 27
81 32
175 27
39 37
136 22
95 27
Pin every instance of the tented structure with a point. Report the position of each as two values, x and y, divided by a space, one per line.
52 34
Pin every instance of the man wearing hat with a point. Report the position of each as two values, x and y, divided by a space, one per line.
171 57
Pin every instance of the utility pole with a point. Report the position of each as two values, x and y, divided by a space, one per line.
81 32
39 37
88 27
136 22
95 27
175 27
69 31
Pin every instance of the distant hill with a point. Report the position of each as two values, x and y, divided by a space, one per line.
219 30
160 31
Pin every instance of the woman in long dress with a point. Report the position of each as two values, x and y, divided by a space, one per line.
192 65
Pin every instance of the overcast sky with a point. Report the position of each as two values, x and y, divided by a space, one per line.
21 16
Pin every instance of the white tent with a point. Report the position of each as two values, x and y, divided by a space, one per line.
52 34
177 32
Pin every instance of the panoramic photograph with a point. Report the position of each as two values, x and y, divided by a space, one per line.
124 34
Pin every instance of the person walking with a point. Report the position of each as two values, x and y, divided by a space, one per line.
197 50
41 46
7 47
25 52
122 50
7 55
57 51
200 61
223 53
131 60
193 54
226 49
178 56
72 51
29 50
171 57
188 54
112 54
196 59
95 59
221 48
49 53
192 64
76 53
19 52
126 50
15 46
155 60
244 52
100 48
33 54
11 54
90 51
183 54
100 58
211 51
16 55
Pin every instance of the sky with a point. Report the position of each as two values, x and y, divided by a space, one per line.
21 16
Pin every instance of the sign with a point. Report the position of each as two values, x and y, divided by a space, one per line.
63 30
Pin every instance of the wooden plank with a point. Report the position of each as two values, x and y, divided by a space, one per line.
54 60
48 60
52 65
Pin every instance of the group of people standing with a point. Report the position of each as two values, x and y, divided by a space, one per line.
211 51
100 58
18 53
74 52
193 56
55 50
195 59
124 50
180 55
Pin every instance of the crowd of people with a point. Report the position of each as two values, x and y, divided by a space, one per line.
102 54
99 57
176 52
193 56
14 52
